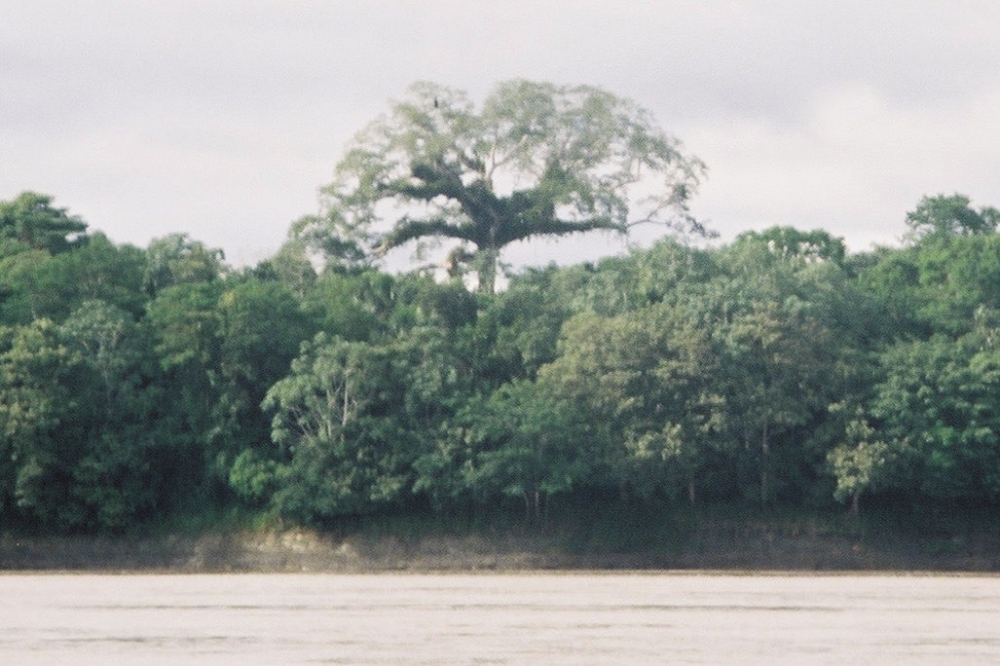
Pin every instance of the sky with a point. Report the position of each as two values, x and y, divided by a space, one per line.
223 118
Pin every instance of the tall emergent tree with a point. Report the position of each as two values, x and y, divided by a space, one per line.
31 220
536 159
949 216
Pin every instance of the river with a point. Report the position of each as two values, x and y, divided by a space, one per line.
540 618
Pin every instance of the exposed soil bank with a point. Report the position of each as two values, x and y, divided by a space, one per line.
710 547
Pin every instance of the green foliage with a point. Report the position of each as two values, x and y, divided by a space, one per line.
641 385
343 455
79 423
775 370
525 444
186 320
36 420
30 221
786 343
516 332
328 238
938 285
948 216
861 464
177 259
36 284
938 403
253 478
355 307
31 288
101 334
260 330
792 244
537 159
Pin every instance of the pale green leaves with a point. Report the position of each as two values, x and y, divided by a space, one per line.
537 159
862 463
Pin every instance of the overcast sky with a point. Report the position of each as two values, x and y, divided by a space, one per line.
222 118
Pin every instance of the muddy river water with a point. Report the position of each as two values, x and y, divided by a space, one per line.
531 618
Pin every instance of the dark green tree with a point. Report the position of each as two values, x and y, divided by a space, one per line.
948 216
40 434
30 221
185 324
527 444
937 412
790 243
949 271
261 326
787 330
344 455
128 468
640 384
37 284
178 259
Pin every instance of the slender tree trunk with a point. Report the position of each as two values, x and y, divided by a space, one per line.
765 453
346 415
486 267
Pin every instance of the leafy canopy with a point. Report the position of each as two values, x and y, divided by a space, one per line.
31 220
947 216
536 159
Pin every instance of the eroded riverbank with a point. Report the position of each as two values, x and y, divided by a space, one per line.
732 547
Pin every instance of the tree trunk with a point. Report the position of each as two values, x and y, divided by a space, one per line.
486 269
765 453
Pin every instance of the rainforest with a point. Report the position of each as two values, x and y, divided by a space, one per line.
149 385
776 370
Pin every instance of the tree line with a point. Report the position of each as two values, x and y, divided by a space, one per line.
777 369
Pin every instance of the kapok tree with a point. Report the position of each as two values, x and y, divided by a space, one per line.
536 159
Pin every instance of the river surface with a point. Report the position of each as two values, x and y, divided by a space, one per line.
572 618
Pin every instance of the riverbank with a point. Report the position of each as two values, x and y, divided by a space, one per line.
735 546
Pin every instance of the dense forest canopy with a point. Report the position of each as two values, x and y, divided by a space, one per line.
775 370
